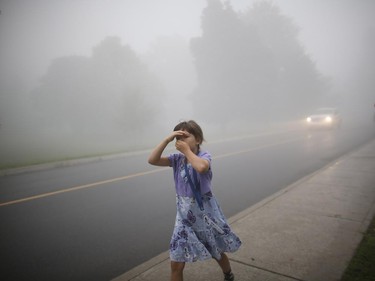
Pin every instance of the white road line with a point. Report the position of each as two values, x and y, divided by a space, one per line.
136 175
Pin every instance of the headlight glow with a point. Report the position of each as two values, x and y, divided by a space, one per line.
328 119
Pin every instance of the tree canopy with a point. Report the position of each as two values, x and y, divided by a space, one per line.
251 65
111 91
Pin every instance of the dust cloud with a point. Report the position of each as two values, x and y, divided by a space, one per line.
84 78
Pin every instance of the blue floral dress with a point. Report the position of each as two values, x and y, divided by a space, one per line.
200 234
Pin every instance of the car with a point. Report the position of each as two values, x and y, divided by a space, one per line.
327 117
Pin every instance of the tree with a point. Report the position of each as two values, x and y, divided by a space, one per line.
251 66
59 99
298 84
227 59
110 93
365 71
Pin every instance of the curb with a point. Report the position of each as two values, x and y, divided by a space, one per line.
138 270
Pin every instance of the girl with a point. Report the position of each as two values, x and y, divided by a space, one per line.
201 230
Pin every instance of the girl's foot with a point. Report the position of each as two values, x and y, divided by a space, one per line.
229 276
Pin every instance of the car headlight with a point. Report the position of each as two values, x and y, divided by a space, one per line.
328 119
308 119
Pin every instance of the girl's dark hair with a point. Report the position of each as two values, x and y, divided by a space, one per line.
192 127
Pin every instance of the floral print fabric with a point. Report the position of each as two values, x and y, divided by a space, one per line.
201 235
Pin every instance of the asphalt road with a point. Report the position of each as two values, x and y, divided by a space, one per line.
95 221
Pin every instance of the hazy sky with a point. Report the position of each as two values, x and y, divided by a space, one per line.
34 32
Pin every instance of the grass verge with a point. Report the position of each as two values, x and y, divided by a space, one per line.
362 265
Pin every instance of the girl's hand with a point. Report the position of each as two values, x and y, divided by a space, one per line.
182 146
176 134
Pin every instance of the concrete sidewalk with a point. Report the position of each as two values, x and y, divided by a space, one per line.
307 231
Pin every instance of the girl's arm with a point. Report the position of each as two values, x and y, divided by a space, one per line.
155 157
199 164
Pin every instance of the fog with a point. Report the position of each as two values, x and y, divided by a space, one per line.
84 78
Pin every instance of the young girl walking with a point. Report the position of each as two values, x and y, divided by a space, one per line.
201 231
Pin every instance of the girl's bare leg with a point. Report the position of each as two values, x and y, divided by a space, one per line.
177 269
224 263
